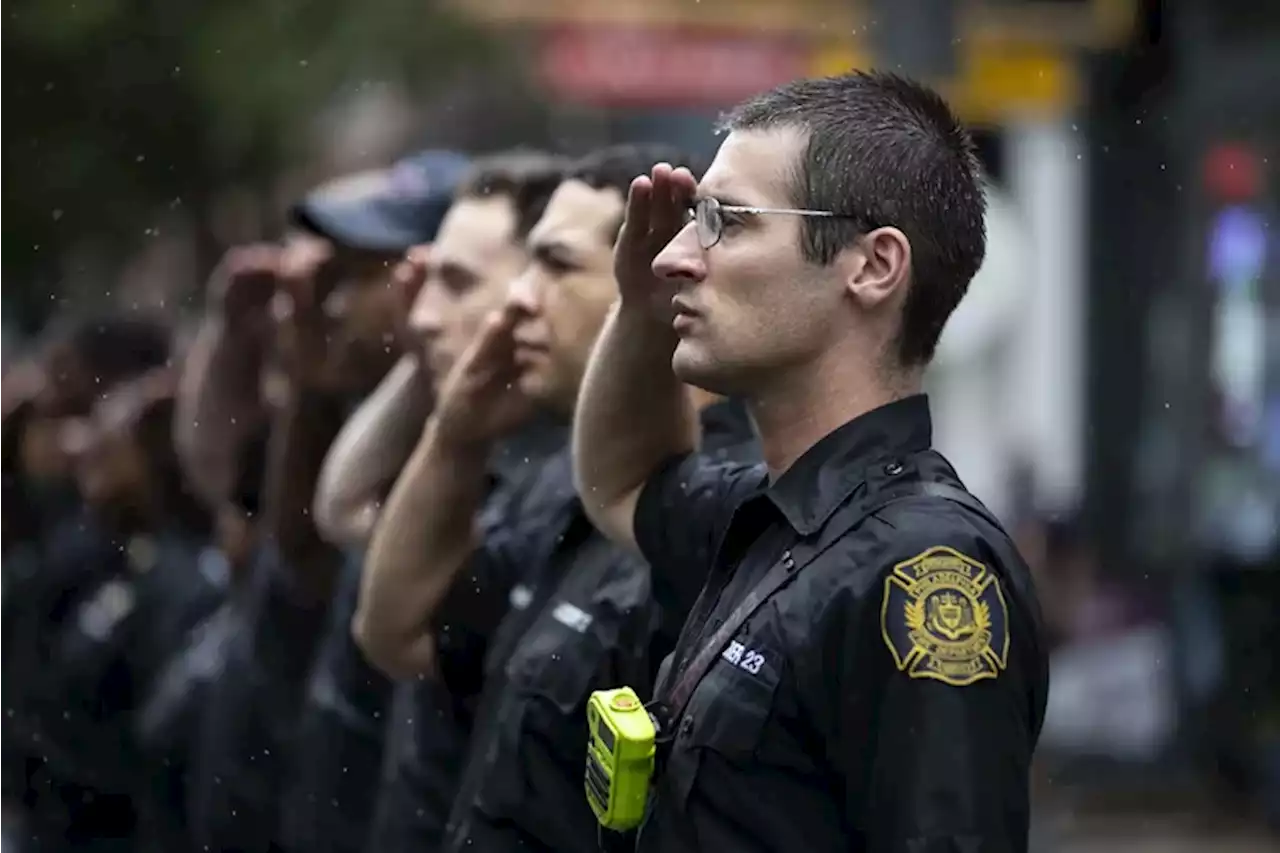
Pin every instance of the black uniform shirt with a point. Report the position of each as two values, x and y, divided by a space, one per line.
570 618
581 617
430 726
108 654
332 784
248 726
889 698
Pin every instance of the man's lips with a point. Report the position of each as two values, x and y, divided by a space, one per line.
529 351
685 317
682 307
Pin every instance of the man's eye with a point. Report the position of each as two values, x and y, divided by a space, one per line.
556 265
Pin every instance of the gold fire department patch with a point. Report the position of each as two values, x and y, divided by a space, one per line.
944 617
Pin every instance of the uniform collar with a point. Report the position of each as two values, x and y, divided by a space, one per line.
832 470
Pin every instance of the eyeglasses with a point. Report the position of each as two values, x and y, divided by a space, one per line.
708 217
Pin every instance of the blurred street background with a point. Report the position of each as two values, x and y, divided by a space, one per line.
1111 386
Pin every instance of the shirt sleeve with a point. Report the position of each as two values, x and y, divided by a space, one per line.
683 511
936 700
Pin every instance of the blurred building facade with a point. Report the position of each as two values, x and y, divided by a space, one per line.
1184 369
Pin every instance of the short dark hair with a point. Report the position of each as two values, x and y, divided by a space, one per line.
616 166
525 176
885 150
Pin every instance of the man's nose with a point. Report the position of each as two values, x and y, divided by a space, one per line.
425 316
525 293
682 260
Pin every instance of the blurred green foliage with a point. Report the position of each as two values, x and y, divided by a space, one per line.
119 107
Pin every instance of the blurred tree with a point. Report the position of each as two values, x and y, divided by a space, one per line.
120 109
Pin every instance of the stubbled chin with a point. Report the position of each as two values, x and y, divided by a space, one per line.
533 384
548 394
692 365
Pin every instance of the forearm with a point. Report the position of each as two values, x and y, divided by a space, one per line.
369 452
300 438
214 410
423 537
632 414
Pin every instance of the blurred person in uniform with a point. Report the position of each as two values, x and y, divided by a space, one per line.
53 547
77 360
311 332
460 277
864 657
137 607
333 783
516 605
464 277
376 440
222 465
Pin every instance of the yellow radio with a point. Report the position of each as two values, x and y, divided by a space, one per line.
619 757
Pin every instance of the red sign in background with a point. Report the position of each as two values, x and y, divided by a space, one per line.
643 66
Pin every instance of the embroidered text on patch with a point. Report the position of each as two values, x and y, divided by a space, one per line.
944 617
745 659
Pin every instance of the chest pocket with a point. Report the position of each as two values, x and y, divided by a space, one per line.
549 673
727 714
734 701
581 630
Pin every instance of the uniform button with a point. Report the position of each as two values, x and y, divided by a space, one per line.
686 725
893 469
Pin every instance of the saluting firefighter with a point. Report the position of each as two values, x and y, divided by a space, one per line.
863 667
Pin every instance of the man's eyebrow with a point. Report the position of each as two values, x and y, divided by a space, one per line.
454 267
553 249
726 199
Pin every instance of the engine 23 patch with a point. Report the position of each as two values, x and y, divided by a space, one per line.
944 617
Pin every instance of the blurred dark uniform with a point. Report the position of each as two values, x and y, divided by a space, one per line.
41 576
168 729
249 723
431 726
79 556
578 617
168 722
889 697
135 604
333 785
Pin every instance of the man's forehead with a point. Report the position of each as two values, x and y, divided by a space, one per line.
475 228
752 166
579 214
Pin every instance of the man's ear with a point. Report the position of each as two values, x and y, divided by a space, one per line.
882 268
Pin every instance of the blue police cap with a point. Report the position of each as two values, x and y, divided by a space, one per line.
386 210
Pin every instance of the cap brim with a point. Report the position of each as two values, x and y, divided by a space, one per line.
358 226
